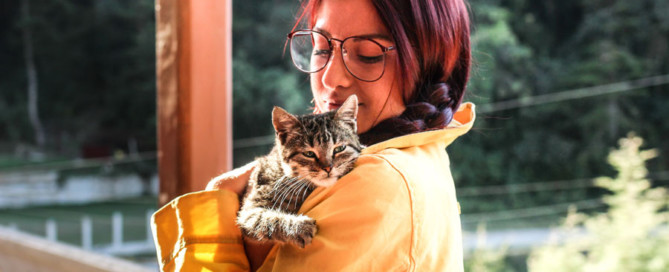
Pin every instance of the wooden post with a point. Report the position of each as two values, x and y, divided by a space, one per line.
86 232
194 77
117 230
149 233
51 230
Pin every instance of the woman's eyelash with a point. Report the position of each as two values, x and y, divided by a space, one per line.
369 60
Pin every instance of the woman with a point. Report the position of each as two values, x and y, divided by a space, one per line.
397 209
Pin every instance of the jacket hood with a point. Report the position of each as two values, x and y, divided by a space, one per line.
463 120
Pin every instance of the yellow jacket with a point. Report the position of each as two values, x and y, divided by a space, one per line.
396 211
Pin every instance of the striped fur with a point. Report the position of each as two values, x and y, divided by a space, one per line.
310 151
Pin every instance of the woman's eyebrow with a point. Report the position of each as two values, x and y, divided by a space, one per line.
367 36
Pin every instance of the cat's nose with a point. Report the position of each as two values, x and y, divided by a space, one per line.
327 169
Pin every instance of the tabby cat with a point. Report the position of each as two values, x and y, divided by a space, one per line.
311 150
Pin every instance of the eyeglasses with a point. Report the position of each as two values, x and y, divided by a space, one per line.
363 57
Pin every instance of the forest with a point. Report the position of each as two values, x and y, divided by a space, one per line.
556 84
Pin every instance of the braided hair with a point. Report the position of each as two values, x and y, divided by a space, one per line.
433 109
433 41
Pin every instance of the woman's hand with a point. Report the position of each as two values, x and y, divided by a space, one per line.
235 180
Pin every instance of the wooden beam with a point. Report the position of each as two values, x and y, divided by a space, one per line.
194 77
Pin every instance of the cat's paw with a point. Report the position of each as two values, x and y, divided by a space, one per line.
303 231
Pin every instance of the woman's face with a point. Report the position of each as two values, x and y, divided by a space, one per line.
331 86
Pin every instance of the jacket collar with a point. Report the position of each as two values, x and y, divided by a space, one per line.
463 120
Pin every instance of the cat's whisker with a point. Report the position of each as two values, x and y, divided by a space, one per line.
291 182
286 192
275 187
306 189
281 196
303 184
277 196
297 194
293 191
279 192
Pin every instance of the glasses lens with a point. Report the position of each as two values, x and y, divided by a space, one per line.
310 51
364 58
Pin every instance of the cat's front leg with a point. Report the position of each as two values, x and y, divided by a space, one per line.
265 224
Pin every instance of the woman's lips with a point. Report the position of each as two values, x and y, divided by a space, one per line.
330 106
333 106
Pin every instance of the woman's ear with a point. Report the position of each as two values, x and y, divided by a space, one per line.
348 112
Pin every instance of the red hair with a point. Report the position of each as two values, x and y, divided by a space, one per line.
433 47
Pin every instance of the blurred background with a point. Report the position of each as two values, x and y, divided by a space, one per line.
556 83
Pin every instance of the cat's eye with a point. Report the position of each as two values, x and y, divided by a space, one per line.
339 148
309 154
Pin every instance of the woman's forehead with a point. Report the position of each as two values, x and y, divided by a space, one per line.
344 18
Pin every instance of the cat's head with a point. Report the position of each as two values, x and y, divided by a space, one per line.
318 147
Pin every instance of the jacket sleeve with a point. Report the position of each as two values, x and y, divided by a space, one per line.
365 223
197 232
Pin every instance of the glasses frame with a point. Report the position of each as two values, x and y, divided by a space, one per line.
384 49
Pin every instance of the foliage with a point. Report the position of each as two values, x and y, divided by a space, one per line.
96 72
631 236
483 259
525 49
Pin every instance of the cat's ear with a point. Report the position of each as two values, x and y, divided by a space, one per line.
348 112
283 122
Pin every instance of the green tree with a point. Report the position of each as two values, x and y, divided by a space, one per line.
631 236
528 48
96 67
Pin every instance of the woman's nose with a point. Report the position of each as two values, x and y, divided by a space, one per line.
335 74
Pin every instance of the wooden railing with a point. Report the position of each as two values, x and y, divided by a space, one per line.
23 252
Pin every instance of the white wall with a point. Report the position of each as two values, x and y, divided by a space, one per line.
20 189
